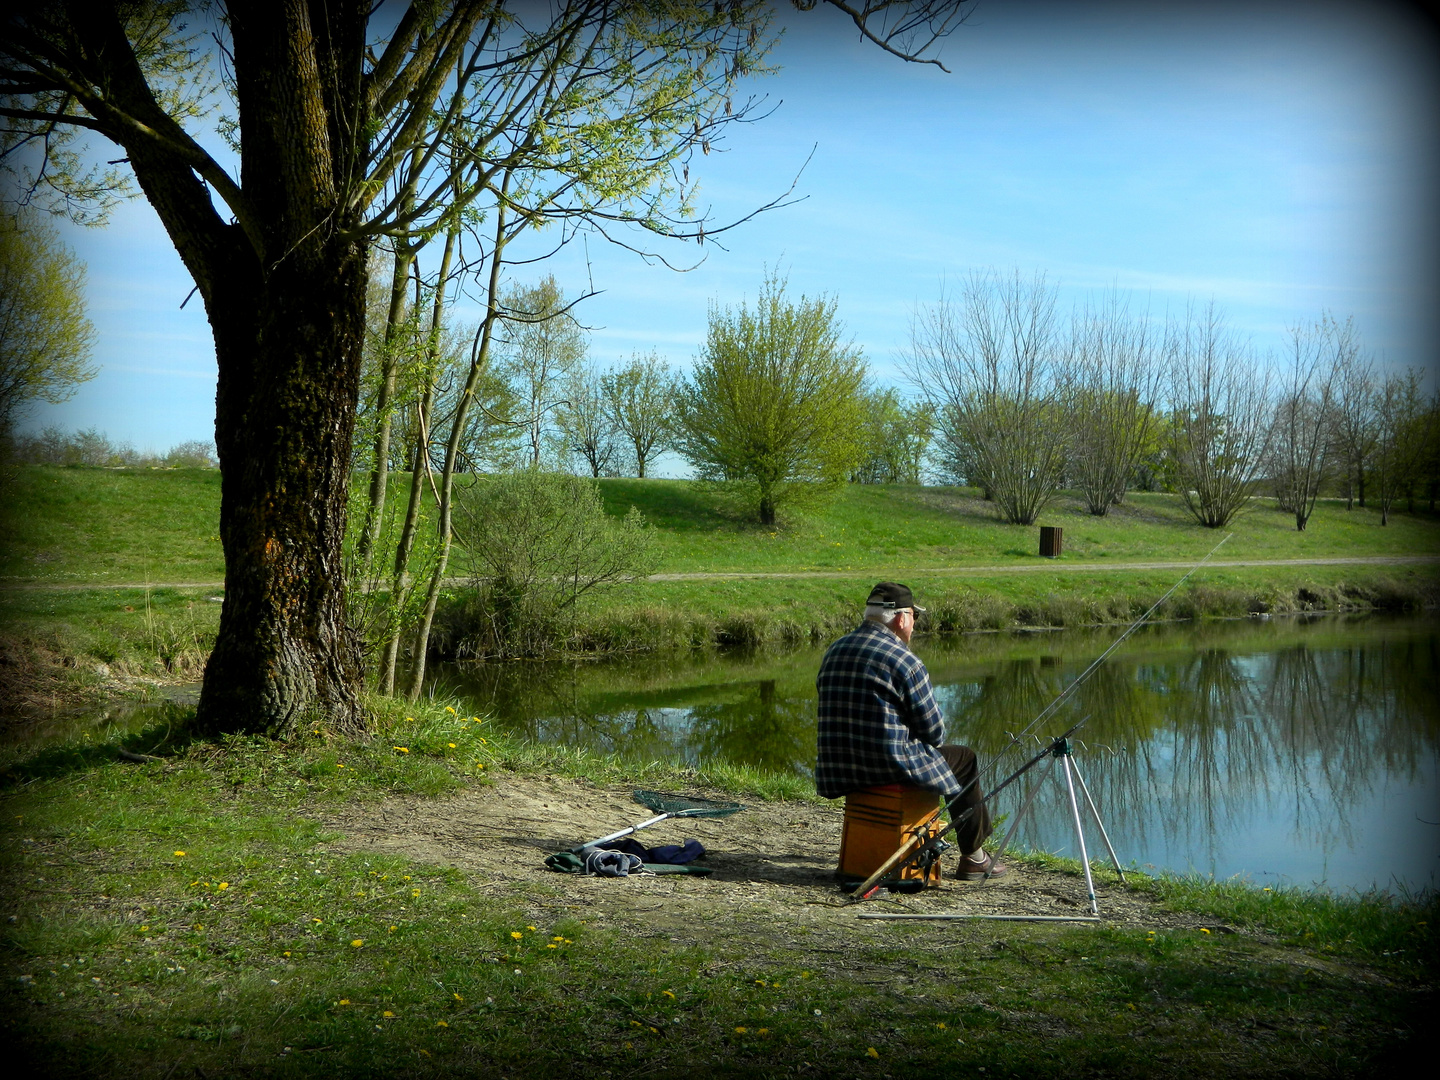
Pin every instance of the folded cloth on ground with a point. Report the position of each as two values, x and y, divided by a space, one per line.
569 862
672 854
604 863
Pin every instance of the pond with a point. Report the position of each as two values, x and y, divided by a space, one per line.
1286 751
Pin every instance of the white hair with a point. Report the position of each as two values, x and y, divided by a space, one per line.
882 614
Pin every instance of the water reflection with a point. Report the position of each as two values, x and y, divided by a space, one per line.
1303 750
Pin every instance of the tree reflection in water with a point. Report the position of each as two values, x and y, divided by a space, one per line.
1196 736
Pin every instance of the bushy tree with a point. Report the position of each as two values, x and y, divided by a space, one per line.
45 338
897 434
539 543
1402 435
774 405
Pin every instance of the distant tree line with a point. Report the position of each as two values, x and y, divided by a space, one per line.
93 449
1027 404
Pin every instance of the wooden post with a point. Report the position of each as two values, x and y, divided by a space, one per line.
1051 537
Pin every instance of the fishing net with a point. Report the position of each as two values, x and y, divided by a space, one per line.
663 802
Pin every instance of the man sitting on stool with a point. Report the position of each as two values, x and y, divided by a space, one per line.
879 723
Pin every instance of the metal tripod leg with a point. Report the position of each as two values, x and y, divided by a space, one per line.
1084 788
1079 832
1015 824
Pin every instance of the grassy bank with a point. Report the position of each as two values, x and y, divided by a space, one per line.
189 916
71 531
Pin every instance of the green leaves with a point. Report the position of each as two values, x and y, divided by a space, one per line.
775 404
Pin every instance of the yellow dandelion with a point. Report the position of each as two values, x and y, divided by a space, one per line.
441 1023
872 1052
338 765
358 942
740 1030
629 1046
634 1023
179 854
552 945
450 709
315 920
457 997
531 929
759 982
804 974
223 885
763 1031
669 993
516 934
403 749
143 928
451 745
343 1001
1131 1004
285 953
1203 930
941 1025
409 719
392 929
654 1031
414 892
558 937
388 1013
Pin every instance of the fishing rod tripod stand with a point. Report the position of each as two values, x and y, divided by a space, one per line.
1061 753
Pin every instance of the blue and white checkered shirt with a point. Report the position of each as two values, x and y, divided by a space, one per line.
879 723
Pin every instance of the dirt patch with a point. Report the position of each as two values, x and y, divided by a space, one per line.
773 868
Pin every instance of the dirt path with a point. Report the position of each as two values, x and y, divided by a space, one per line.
772 883
729 575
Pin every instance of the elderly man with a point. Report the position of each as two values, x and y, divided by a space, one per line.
879 723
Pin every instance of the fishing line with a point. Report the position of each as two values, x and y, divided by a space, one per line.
1095 664
872 884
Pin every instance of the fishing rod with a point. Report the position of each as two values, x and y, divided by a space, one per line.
915 845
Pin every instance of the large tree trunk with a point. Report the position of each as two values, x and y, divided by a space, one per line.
288 321
285 409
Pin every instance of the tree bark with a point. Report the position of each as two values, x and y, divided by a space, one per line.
289 376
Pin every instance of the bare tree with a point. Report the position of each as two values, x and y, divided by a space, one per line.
1353 423
1110 399
988 362
1220 419
1402 419
1301 440
641 397
585 421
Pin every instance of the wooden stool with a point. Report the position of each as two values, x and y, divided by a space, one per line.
877 821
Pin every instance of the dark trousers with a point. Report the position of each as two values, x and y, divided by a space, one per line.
970 834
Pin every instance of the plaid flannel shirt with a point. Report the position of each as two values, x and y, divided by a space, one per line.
879 723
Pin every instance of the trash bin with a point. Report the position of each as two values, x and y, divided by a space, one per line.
1050 539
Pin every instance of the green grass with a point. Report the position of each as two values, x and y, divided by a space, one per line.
98 526
93 526
187 916
891 527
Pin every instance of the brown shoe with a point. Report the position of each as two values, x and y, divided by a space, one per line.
970 870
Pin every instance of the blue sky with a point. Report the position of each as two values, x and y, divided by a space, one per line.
1278 158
